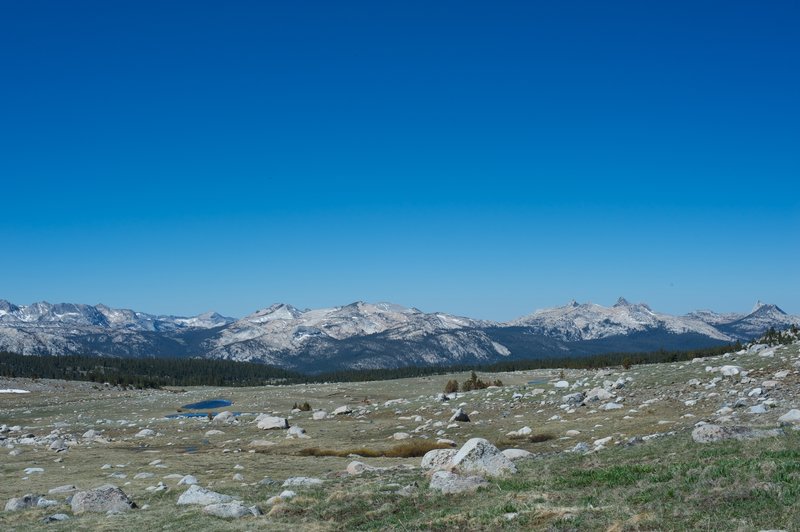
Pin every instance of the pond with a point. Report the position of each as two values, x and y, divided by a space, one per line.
206 405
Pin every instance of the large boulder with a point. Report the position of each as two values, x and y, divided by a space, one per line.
266 422
450 483
438 458
342 410
105 499
197 495
481 457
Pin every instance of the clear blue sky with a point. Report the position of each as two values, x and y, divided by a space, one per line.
480 158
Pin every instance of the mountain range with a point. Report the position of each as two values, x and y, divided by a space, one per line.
367 335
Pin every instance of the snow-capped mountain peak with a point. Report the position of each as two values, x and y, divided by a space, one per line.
589 321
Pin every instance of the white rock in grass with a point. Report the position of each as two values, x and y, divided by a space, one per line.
266 422
516 454
188 480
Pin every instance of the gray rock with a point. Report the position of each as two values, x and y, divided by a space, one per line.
145 433
581 447
225 416
227 510
438 458
319 414
58 446
66 488
105 499
188 480
55 518
709 433
301 482
574 398
22 503
342 410
459 415
197 495
297 432
266 422
451 483
481 457
792 416
597 394
516 454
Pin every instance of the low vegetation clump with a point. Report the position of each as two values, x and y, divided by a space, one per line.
305 407
474 383
411 449
451 386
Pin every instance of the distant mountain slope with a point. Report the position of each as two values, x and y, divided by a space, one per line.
371 335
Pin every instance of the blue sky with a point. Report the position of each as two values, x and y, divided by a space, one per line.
479 158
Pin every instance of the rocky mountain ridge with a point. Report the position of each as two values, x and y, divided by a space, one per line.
371 335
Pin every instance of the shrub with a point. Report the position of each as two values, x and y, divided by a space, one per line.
451 386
